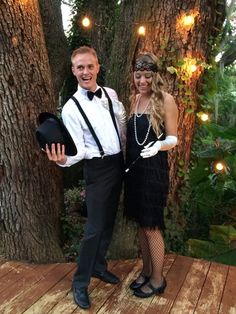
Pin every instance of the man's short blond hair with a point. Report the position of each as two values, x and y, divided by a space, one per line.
82 50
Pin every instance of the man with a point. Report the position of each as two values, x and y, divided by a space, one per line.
100 146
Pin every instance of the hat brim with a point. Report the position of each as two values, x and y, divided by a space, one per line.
52 130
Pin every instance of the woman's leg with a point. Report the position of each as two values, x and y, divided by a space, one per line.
156 252
147 266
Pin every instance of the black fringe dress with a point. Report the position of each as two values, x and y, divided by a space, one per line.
147 181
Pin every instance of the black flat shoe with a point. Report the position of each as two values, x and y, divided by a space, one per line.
154 291
106 276
135 285
81 297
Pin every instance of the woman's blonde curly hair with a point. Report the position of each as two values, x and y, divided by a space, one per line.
157 99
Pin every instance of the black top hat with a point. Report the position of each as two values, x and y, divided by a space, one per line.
52 130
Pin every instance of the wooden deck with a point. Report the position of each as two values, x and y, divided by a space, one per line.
193 286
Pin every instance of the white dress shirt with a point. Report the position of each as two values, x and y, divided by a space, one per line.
98 114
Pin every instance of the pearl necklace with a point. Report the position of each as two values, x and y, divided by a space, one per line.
135 132
136 115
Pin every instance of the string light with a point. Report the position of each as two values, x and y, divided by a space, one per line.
189 66
192 68
185 23
219 167
142 30
86 22
203 116
188 21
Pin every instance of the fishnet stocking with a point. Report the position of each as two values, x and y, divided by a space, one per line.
147 266
153 252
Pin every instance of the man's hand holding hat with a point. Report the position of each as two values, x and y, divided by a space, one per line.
54 138
56 153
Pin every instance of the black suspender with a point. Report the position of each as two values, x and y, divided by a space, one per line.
90 126
101 151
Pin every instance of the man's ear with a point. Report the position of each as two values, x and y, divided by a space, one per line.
98 69
72 69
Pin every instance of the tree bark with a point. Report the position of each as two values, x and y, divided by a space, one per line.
31 194
171 42
56 43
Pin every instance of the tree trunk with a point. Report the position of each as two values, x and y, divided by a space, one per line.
31 194
56 43
172 43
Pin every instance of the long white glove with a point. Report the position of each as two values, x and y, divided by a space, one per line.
169 142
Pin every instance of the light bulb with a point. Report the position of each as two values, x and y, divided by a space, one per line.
204 117
86 22
219 166
193 67
141 30
188 20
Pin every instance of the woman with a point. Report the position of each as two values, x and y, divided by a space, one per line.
151 132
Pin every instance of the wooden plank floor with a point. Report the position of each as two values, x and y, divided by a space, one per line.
193 286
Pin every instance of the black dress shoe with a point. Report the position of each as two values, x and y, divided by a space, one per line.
135 285
106 276
154 291
81 297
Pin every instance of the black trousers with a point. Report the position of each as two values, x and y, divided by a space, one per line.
103 179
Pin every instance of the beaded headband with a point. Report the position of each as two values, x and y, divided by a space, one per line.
142 65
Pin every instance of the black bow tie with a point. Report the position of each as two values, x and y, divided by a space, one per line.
98 93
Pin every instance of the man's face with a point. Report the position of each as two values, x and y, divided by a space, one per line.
85 67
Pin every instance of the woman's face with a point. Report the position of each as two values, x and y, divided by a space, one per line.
143 81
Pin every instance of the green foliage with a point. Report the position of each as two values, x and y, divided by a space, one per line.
205 249
223 234
175 222
220 246
208 197
72 220
211 194
75 197
77 35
